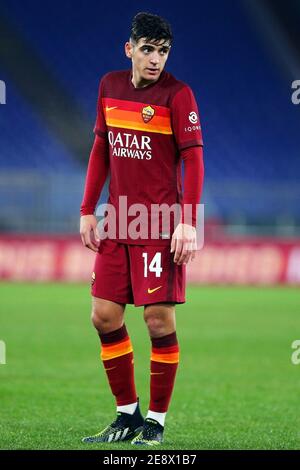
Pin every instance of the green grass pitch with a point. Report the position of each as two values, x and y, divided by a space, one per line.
236 385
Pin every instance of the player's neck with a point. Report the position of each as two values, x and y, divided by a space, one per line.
140 82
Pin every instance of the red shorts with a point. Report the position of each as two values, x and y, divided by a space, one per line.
137 274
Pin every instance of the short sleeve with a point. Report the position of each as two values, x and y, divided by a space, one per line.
185 119
100 124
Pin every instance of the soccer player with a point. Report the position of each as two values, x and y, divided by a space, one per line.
147 125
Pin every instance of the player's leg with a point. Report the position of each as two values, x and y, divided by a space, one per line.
106 315
111 292
158 283
116 352
160 320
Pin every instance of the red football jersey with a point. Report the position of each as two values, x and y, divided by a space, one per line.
146 129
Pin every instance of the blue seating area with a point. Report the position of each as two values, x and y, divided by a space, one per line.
25 143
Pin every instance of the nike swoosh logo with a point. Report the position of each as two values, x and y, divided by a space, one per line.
156 373
111 368
150 291
110 108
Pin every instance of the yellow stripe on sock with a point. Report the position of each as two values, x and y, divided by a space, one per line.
171 358
116 350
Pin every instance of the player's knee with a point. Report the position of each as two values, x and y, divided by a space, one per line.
155 322
102 318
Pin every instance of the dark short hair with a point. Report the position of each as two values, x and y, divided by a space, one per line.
151 27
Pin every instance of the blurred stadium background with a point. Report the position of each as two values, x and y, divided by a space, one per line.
240 58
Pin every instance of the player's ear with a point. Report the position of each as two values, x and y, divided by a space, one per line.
128 50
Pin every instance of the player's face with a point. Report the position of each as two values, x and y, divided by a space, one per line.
148 60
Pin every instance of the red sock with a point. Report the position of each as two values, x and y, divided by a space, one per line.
117 357
164 362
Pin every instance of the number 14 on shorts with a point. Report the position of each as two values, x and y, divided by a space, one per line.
153 265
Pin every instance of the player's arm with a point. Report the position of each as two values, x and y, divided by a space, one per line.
187 131
97 172
184 239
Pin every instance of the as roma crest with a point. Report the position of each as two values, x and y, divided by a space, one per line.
147 113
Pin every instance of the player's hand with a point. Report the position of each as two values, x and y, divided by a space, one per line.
88 232
184 243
